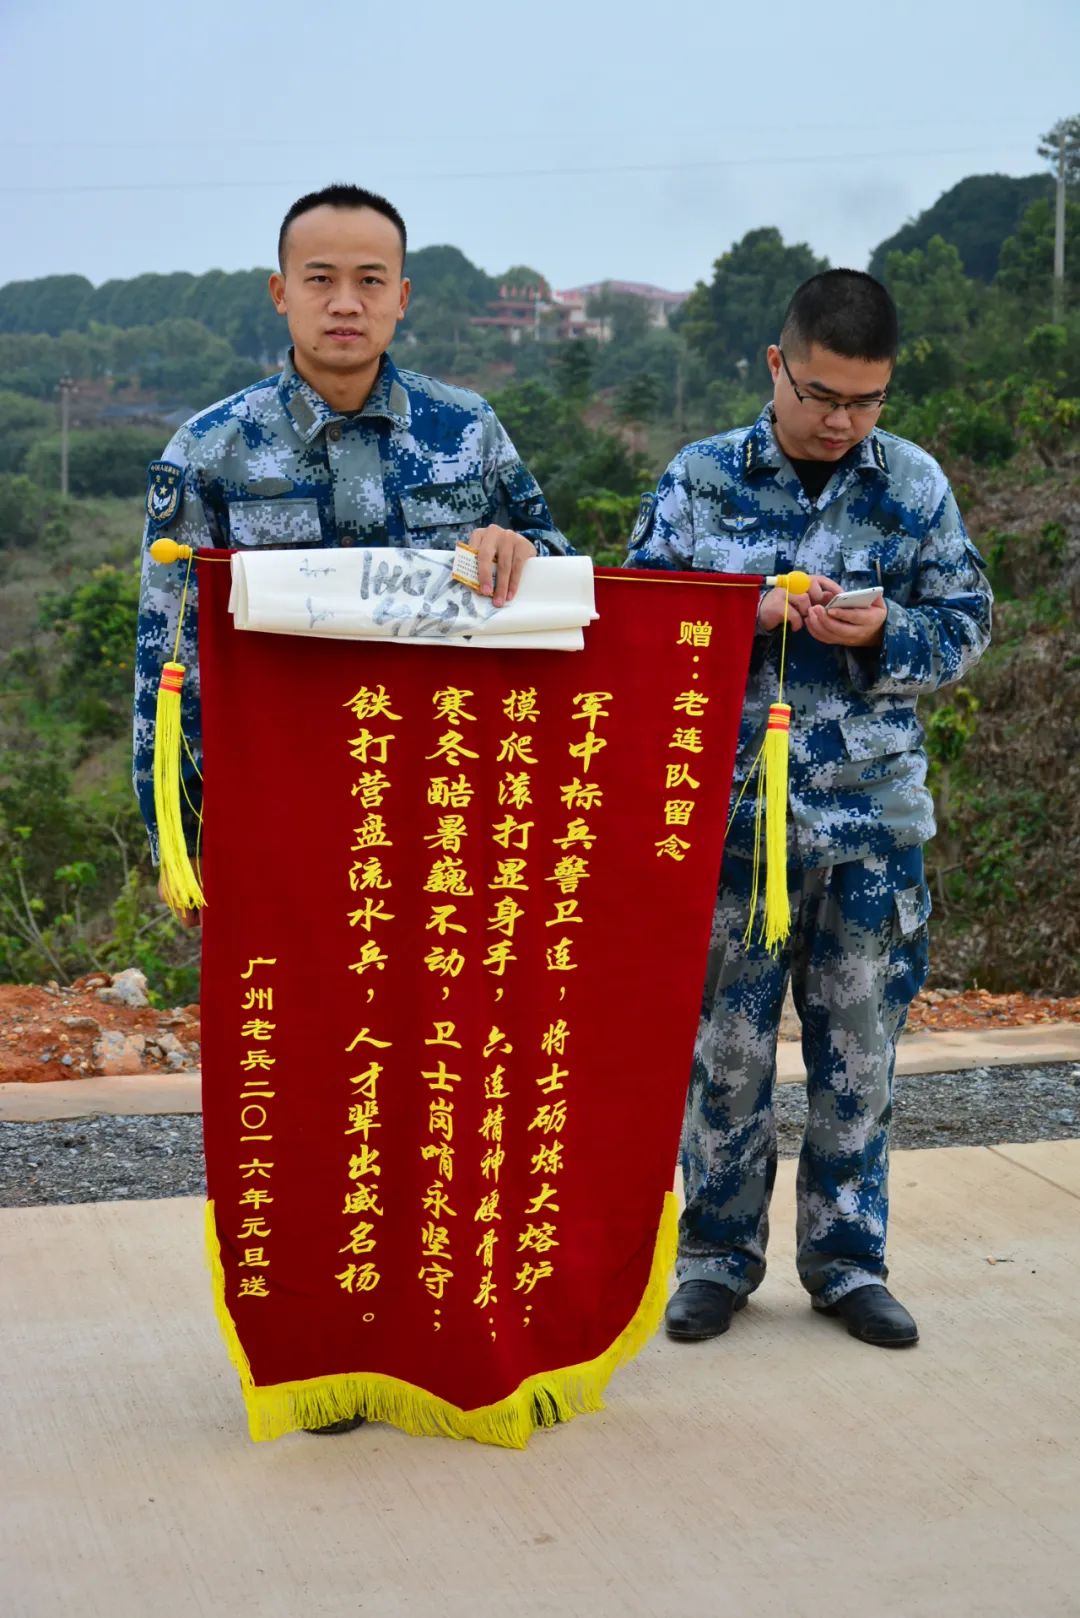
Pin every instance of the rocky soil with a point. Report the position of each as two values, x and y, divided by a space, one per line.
105 1024
101 1024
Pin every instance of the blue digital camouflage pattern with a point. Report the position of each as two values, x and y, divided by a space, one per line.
859 954
734 504
859 811
423 464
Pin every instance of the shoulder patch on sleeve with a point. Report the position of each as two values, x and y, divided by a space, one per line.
643 525
164 486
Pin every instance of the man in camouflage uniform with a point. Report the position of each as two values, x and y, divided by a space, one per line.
341 448
813 485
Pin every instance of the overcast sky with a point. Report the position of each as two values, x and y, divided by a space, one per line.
588 138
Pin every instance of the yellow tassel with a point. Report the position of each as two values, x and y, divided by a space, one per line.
539 1401
180 885
774 783
770 768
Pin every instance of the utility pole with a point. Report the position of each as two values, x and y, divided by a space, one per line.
67 387
1059 233
1061 148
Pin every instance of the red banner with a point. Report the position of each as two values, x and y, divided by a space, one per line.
458 907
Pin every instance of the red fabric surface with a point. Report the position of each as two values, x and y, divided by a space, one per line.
281 820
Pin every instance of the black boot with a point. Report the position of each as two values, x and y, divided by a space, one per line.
873 1315
332 1428
701 1309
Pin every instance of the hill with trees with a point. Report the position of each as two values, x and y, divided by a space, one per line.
987 379
976 216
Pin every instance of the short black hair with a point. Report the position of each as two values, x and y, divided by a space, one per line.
845 311
340 196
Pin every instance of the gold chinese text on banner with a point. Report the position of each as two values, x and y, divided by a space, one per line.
458 908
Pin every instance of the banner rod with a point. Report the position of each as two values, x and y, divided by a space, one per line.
167 550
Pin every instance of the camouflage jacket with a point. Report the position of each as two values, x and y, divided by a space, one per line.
734 504
422 464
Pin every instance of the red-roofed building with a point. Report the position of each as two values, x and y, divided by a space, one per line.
524 311
576 299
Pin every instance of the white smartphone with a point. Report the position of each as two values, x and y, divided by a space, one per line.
856 598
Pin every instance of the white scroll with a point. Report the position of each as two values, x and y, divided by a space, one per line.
409 596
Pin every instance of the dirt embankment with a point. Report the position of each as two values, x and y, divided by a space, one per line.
71 1033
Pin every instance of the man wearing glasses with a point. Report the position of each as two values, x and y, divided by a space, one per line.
814 484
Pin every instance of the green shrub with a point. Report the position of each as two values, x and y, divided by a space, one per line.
101 460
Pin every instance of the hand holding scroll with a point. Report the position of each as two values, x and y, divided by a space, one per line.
500 556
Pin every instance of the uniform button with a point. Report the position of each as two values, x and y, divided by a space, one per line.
333 432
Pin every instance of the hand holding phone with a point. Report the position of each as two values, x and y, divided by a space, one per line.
856 598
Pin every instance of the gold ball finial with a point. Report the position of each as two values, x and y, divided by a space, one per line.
167 550
798 582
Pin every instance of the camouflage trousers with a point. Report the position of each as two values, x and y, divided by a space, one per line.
856 957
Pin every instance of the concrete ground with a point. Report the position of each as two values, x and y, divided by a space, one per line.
784 1468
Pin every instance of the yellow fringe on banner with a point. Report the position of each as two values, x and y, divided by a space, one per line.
539 1401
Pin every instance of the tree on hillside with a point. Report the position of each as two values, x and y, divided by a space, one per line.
445 275
938 306
28 514
628 315
207 299
33 363
249 321
1027 259
739 313
141 301
976 216
520 276
103 460
636 405
237 306
95 628
660 353
534 416
180 361
21 421
447 288
573 368
574 464
50 304
933 295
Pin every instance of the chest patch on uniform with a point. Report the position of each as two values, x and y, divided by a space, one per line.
164 485
739 525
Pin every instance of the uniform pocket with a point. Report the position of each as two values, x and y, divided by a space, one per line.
909 956
913 909
892 564
873 735
438 515
281 523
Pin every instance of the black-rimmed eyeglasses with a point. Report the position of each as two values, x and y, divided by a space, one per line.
826 405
